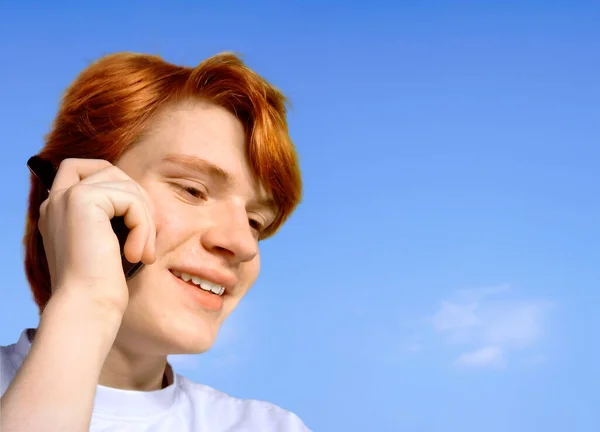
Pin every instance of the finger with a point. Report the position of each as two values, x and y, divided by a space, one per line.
118 202
124 185
72 171
137 219
43 208
110 173
150 251
132 187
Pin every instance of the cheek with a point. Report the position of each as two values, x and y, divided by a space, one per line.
170 225
250 271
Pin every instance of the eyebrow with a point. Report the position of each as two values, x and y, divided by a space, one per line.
268 204
195 164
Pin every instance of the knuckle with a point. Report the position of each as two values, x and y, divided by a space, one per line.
77 192
43 212
50 202
73 163
115 172
40 226
44 206
67 164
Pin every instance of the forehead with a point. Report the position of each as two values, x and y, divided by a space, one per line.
198 129
205 131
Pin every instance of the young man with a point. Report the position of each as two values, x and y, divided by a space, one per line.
199 163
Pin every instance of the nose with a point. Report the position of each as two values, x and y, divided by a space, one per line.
231 236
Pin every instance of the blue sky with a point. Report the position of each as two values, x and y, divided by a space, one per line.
442 273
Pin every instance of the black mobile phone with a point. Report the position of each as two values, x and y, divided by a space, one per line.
45 171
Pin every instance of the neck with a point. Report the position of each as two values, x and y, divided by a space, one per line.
128 371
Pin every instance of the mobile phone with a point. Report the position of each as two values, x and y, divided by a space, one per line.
45 171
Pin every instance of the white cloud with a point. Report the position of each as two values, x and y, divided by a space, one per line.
489 326
487 356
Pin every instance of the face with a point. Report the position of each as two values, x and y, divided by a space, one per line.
209 212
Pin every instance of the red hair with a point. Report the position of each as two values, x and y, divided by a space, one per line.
112 102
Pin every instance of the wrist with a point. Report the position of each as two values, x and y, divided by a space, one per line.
98 297
83 314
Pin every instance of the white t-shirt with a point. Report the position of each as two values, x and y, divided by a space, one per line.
182 406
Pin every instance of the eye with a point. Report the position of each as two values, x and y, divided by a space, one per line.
191 191
255 225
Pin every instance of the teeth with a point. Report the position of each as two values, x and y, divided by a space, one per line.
201 283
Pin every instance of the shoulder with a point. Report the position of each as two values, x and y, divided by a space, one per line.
11 358
248 413
8 366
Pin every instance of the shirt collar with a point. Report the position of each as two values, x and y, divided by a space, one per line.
116 402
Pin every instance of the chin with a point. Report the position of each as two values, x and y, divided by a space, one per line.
165 331
163 317
182 338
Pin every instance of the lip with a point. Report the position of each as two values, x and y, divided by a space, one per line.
225 280
197 295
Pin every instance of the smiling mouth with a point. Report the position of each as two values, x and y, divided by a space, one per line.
203 284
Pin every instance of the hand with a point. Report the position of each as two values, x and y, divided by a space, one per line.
81 247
